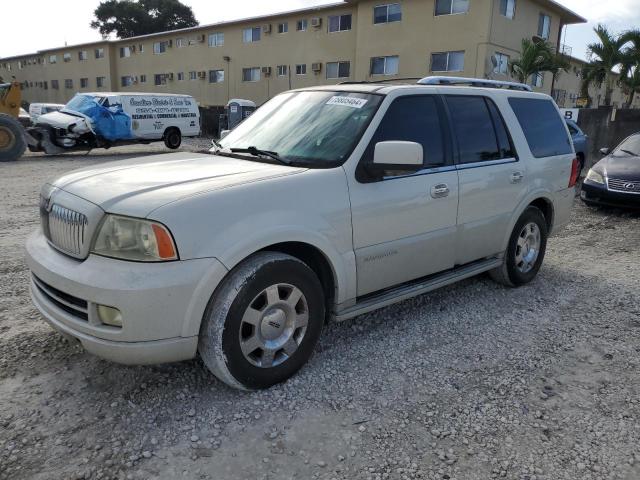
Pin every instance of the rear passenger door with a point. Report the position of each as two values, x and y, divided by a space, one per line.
404 224
491 177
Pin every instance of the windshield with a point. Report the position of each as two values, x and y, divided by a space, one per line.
82 104
631 146
315 128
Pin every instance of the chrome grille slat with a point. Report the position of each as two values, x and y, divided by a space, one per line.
619 185
66 229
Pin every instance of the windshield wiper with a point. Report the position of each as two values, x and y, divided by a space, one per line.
216 143
256 152
629 152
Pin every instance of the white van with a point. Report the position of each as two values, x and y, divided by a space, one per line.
103 120
36 110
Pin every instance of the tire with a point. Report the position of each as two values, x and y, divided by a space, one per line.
249 327
520 264
12 142
172 138
580 165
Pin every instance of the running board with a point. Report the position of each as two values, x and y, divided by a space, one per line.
398 294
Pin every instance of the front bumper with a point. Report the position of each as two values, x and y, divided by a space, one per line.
601 195
162 304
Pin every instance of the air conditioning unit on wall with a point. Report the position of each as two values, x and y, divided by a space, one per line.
316 22
201 38
266 70
266 28
202 74
316 67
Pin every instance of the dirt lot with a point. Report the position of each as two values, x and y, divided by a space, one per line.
471 382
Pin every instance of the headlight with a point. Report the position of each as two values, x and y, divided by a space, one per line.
595 177
133 239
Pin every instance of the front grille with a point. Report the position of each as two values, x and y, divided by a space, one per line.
64 228
626 186
75 306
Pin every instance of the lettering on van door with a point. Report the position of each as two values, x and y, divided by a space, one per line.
150 108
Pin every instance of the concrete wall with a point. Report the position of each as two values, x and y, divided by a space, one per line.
597 123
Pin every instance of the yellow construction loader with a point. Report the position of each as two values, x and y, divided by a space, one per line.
12 133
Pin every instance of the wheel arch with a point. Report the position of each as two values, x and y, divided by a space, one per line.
543 201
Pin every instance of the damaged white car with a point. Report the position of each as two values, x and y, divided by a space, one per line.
103 120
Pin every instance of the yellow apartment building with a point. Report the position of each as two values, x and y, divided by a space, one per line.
257 58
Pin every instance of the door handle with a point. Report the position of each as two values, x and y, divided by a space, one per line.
440 190
516 177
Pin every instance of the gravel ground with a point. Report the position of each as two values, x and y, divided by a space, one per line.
471 382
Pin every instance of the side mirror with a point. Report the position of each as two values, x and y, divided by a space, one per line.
224 133
605 151
398 156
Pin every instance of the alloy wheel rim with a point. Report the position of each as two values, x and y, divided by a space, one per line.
6 139
528 247
274 325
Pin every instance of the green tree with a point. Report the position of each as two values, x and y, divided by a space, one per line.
129 18
536 57
630 70
609 53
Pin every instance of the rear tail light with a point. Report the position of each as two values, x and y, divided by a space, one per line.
575 171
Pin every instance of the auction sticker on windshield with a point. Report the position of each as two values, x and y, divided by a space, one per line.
348 102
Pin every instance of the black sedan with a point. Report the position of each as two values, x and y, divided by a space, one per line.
615 180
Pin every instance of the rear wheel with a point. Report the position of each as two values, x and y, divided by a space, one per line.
12 142
263 322
526 250
172 138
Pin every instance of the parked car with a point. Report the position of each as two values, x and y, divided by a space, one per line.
615 180
102 120
326 203
24 118
38 109
580 142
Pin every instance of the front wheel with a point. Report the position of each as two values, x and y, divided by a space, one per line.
172 138
263 322
526 250
12 142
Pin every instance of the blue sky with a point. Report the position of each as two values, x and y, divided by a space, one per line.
40 24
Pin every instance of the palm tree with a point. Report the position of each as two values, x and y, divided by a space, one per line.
630 71
610 53
536 57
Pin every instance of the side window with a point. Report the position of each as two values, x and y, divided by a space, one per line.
413 119
504 140
473 126
572 129
542 126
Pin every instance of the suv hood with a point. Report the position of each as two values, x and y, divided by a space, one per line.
136 187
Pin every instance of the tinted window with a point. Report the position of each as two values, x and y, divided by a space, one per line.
473 125
413 119
542 126
504 141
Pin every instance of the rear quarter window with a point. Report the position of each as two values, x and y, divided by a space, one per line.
543 127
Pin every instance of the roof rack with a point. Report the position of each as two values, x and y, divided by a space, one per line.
474 82
375 82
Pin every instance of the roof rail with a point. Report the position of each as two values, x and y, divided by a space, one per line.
474 82
375 82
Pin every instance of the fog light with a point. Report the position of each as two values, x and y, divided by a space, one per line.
110 316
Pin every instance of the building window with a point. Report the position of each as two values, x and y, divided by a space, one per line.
387 13
55 85
447 62
100 82
160 79
537 79
126 81
52 59
66 57
251 74
125 52
338 69
282 70
451 7
502 64
250 35
283 27
508 8
193 75
99 53
384 65
302 25
181 42
143 79
68 83
339 23
180 76
160 47
84 83
544 26
216 76
82 55
301 69
216 39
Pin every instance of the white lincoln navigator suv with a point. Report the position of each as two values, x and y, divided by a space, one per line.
325 204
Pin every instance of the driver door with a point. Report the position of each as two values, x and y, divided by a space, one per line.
404 224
